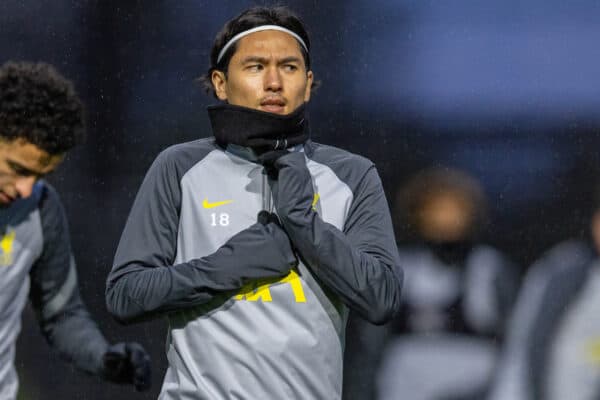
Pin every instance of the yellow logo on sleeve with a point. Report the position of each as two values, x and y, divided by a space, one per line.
6 244
316 198
206 204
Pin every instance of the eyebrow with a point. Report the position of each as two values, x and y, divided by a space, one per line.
22 170
264 60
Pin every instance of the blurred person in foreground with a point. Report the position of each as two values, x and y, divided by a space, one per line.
255 242
553 338
458 293
41 118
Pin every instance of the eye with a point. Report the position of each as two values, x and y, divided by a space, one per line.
20 171
289 67
254 67
26 173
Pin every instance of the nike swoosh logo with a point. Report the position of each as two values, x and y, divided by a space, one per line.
206 204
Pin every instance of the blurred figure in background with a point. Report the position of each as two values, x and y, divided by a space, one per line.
553 339
458 293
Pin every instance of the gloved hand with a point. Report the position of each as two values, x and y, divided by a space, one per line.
268 159
264 217
263 250
127 363
293 194
291 185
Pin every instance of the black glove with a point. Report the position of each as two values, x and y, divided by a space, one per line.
127 363
260 251
292 188
268 159
264 217
293 195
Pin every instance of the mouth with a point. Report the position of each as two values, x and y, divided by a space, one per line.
274 105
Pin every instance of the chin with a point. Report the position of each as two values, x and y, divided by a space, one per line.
281 111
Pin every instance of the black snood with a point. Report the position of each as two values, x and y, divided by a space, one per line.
258 130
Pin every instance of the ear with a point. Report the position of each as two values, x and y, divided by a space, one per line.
309 82
219 81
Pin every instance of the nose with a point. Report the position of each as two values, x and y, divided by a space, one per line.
24 186
273 79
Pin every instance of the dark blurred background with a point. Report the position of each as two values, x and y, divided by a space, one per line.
506 90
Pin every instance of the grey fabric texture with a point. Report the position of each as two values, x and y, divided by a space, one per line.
452 318
42 266
138 290
238 329
63 318
21 245
550 286
356 263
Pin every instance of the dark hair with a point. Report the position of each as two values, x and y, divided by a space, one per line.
39 105
251 18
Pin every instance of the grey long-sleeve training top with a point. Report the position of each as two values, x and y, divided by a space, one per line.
35 253
232 334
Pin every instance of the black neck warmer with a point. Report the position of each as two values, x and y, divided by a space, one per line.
258 130
451 253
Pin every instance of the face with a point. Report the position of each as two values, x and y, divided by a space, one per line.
266 73
446 218
21 165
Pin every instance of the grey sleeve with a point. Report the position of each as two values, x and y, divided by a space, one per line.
548 288
144 283
375 277
359 264
63 319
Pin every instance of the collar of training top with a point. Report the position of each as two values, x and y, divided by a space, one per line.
258 130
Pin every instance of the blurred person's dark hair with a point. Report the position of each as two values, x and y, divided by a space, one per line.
441 204
40 106
252 18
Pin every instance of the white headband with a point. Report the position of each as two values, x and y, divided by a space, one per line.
258 29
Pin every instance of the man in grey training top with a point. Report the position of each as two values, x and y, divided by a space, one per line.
255 242
41 118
